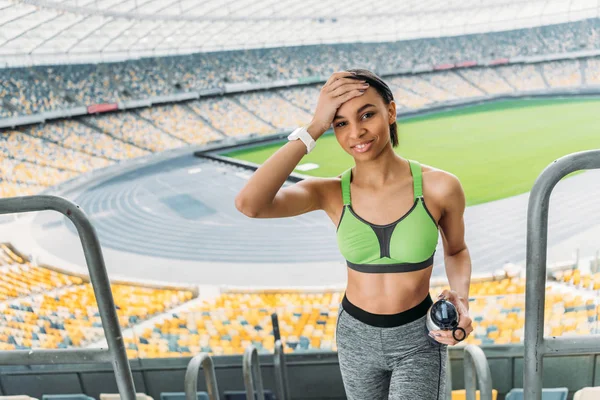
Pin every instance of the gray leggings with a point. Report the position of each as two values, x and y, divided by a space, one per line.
396 363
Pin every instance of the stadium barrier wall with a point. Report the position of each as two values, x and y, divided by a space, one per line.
312 375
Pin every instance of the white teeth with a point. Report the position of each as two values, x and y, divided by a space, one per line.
362 146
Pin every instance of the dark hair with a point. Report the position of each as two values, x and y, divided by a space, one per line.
384 91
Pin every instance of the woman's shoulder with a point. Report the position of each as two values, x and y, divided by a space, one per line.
438 182
327 187
330 190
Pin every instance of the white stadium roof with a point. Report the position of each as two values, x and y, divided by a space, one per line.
64 31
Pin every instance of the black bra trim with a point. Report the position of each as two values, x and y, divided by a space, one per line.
385 268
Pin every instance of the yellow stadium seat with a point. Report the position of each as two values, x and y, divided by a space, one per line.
462 395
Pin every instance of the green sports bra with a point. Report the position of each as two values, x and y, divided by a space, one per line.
407 244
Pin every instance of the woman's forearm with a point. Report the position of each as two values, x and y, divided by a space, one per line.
458 271
265 182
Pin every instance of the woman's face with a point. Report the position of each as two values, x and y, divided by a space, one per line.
362 125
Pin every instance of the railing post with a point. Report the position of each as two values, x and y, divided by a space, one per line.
100 285
251 367
477 368
281 378
191 377
535 294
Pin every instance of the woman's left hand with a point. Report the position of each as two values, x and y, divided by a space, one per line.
464 320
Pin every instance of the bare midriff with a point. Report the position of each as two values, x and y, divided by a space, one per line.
389 293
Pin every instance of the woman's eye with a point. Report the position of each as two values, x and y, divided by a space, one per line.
369 114
339 124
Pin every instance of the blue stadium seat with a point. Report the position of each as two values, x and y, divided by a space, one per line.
547 394
181 396
66 397
241 395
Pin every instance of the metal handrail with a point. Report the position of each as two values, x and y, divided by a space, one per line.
101 285
281 377
191 377
536 346
251 367
477 368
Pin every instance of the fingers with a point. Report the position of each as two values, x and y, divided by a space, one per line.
342 82
444 337
337 75
447 337
455 299
347 88
349 95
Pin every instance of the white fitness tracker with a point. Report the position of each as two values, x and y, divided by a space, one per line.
302 134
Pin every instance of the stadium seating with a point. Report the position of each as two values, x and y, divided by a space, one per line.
547 394
230 117
29 173
462 394
28 92
17 397
178 121
134 130
116 396
592 72
453 83
488 79
522 77
12 189
19 278
405 97
48 309
588 393
80 137
241 395
20 146
66 397
424 88
181 396
270 107
46 88
562 73
229 323
302 97
41 156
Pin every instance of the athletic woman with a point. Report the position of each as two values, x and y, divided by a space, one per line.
388 211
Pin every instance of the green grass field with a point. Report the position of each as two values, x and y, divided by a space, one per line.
497 150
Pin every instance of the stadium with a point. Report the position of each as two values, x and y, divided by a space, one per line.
150 116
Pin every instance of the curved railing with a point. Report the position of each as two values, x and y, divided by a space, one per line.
536 346
116 353
477 369
191 377
251 370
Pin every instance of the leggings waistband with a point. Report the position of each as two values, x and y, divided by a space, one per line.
388 320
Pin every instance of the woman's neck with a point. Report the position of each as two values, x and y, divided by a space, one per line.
379 172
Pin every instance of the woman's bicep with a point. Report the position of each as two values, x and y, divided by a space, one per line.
452 222
299 198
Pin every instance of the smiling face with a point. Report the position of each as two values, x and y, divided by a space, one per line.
362 125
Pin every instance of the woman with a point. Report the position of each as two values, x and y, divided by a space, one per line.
388 212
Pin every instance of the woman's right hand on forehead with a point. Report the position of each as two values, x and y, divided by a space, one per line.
338 89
